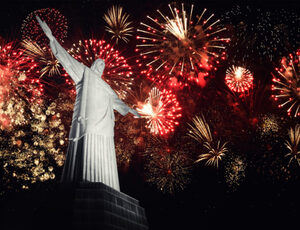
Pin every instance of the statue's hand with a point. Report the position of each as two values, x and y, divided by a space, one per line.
45 28
135 113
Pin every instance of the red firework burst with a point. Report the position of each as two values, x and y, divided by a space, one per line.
117 72
161 110
47 66
286 88
239 79
180 46
18 85
18 74
30 28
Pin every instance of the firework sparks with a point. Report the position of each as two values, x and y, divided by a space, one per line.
118 24
214 154
124 152
35 147
47 67
167 168
293 144
239 79
161 109
179 46
201 133
49 64
268 125
235 171
259 35
55 20
12 113
129 136
17 81
286 86
117 72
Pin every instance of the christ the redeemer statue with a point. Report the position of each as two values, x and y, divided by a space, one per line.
91 152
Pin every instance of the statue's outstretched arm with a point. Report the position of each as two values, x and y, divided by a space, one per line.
73 67
122 108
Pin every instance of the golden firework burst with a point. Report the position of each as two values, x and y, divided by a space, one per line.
48 64
168 168
213 151
293 144
118 24
235 171
200 131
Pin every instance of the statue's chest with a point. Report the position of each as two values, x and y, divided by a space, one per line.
94 94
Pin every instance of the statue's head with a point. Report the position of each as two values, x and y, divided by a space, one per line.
98 66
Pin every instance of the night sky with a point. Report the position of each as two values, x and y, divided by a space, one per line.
265 198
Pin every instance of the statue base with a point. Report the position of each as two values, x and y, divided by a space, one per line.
98 206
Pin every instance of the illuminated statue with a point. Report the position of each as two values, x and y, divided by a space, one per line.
91 152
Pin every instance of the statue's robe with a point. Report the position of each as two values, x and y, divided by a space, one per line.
91 152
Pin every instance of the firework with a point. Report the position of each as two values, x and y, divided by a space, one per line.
48 68
34 148
50 65
12 113
286 88
259 35
129 136
167 168
293 144
18 85
213 151
201 131
214 154
268 157
55 20
124 152
268 125
239 79
117 73
180 46
118 24
130 133
161 110
235 171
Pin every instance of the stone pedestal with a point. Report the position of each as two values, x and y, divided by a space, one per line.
97 207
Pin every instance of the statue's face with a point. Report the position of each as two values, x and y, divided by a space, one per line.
98 66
